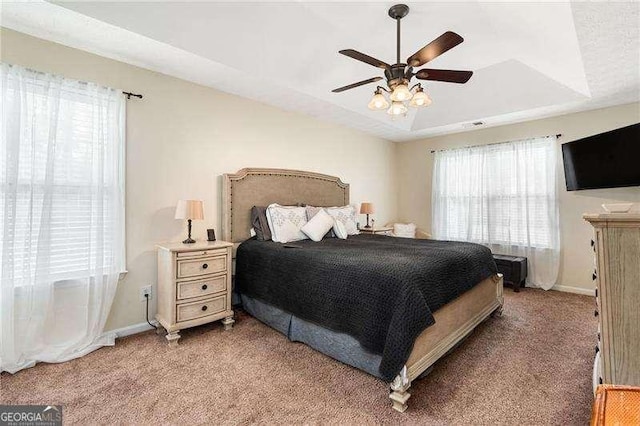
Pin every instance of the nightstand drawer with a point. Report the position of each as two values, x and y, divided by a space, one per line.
201 266
188 289
203 308
188 254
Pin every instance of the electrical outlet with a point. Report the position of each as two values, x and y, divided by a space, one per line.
144 291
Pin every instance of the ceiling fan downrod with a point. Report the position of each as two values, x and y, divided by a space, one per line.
398 12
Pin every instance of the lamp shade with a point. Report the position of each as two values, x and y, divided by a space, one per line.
189 209
397 108
420 99
366 208
378 101
401 93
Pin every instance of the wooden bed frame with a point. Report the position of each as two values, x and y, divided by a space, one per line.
256 186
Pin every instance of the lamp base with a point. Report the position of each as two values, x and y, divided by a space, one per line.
367 226
189 240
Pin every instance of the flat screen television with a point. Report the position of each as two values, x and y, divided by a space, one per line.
607 160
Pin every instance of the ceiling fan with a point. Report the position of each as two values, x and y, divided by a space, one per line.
399 75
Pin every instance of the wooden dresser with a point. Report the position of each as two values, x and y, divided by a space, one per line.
194 286
617 274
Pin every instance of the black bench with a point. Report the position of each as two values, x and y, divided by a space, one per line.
513 268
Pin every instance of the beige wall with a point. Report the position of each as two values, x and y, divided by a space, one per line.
181 137
415 166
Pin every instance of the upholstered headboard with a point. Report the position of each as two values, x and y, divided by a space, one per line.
261 187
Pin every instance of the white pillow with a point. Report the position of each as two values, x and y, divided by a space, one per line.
340 230
318 226
285 223
346 215
403 230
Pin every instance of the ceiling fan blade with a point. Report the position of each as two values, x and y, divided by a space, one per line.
365 58
450 76
434 49
360 83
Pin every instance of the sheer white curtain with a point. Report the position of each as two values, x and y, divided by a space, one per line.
505 197
61 215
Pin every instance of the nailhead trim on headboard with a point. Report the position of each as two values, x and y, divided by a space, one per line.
335 190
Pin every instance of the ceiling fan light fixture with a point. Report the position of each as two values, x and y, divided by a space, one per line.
420 99
397 108
378 102
398 75
401 93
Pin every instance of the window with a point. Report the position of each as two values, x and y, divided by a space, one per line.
501 195
62 178
61 215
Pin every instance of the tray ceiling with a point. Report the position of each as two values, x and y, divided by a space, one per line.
530 60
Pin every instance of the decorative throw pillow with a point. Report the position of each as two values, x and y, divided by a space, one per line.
320 224
403 230
260 223
346 215
312 211
285 223
340 230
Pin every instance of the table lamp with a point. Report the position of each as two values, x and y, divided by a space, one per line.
366 208
190 210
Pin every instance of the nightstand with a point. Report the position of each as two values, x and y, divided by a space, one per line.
385 230
194 286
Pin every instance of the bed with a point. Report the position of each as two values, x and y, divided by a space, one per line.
446 326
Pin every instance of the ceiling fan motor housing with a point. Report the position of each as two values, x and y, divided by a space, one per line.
395 75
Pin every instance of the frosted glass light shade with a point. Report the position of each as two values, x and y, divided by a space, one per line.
189 209
420 99
397 108
401 93
378 102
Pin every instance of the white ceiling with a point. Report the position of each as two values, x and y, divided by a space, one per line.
530 60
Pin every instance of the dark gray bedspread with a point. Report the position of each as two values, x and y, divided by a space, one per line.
380 290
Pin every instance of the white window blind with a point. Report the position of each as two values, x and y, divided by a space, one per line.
62 178
503 196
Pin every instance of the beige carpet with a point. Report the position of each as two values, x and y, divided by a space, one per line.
531 366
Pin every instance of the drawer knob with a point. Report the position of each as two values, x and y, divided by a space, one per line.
204 286
205 266
204 308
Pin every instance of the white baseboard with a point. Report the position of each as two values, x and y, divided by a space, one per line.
576 290
133 329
